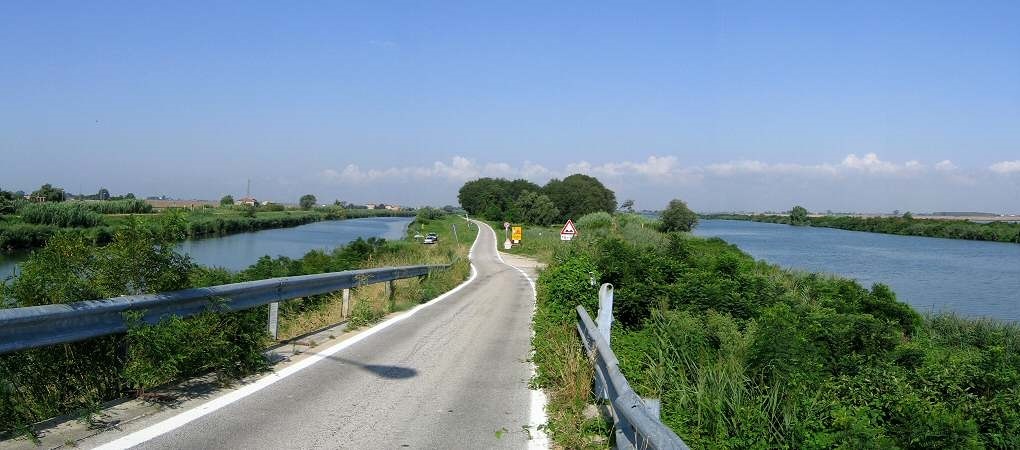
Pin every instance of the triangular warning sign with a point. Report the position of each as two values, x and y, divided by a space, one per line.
569 228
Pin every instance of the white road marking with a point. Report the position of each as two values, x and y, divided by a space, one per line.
175 422
536 414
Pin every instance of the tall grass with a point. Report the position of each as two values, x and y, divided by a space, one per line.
43 383
69 214
745 354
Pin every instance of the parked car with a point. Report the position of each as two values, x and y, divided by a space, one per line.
429 240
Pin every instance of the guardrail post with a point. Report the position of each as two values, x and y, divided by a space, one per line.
274 319
345 309
603 323
604 320
654 407
390 294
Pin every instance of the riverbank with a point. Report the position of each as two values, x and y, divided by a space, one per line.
231 345
18 235
997 231
743 353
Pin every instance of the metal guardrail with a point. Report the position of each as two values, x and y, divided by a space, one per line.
39 326
636 420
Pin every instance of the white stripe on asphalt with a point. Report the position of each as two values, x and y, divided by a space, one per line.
536 415
175 422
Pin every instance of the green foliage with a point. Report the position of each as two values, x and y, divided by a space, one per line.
229 344
49 193
524 201
71 214
595 221
906 226
43 383
126 206
678 217
78 213
307 201
536 209
578 195
745 354
22 236
227 200
493 198
427 214
798 216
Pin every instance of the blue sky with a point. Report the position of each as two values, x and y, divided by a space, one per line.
867 106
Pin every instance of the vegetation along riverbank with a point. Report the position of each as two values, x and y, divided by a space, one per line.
745 354
77 378
30 225
905 225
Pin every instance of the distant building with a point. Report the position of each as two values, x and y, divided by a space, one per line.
369 206
248 201
392 208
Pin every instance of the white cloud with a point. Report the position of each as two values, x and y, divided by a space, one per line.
742 167
654 168
870 163
945 166
1005 167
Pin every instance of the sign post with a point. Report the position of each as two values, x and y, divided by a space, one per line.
515 234
507 245
569 231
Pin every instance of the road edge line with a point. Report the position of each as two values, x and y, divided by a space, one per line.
537 417
172 423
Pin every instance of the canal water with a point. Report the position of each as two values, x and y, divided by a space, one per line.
972 278
238 251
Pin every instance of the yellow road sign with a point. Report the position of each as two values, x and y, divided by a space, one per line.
516 233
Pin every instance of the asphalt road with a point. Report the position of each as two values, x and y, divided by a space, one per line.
453 375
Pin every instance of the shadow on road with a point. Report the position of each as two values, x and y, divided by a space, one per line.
391 372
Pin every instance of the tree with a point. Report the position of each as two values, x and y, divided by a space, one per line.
130 196
678 217
307 201
907 215
103 194
578 195
486 197
50 193
798 215
627 205
7 204
227 200
534 208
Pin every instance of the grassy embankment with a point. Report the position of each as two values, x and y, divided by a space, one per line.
745 354
34 224
76 378
905 226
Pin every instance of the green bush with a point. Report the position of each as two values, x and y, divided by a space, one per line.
744 354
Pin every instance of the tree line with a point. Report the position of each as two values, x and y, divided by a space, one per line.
905 225
526 202
522 201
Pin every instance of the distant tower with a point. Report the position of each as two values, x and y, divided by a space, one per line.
247 192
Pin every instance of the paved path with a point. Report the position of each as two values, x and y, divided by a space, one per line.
453 374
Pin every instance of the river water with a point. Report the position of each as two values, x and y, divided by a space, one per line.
972 278
238 251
